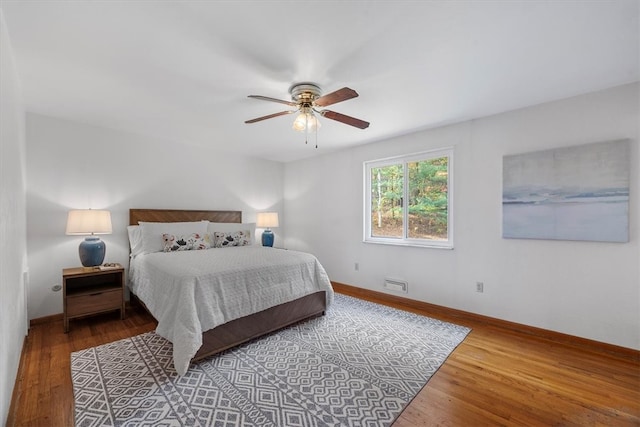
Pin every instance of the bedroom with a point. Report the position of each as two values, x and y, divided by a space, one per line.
584 289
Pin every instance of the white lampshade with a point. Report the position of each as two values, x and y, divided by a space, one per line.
88 221
267 219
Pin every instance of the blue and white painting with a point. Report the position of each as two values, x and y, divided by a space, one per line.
571 193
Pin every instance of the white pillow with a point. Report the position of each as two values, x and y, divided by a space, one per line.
135 239
232 227
152 232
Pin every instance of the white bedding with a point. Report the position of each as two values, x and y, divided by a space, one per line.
191 292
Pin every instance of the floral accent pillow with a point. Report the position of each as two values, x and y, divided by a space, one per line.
234 238
189 242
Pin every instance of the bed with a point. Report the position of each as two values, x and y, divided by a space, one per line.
207 301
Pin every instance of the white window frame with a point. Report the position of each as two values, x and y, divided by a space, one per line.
404 159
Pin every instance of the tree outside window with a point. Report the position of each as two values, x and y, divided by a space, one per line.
409 200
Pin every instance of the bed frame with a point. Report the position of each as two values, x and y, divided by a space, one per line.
249 327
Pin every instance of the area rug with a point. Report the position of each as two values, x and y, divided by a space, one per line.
359 365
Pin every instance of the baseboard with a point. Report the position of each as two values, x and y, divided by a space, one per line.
60 316
17 386
460 316
468 317
46 319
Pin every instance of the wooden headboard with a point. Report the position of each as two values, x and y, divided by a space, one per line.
176 215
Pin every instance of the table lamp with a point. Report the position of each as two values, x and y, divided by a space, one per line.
90 222
267 220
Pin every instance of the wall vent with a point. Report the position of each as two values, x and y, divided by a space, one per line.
396 285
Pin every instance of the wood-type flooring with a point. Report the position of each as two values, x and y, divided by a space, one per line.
497 377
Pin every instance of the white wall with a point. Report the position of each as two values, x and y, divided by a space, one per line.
584 289
75 166
13 255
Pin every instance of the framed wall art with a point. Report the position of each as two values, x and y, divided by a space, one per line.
569 193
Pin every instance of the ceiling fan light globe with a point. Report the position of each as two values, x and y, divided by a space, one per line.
306 121
300 123
312 122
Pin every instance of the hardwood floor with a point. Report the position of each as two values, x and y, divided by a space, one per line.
497 376
44 395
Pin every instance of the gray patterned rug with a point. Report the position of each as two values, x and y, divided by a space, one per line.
359 365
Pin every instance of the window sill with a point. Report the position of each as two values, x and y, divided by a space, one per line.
408 244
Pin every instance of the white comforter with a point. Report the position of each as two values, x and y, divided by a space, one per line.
193 291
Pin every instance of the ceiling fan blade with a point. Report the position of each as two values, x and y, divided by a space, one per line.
266 98
352 121
270 116
335 97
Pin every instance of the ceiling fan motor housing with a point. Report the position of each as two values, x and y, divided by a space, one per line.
305 93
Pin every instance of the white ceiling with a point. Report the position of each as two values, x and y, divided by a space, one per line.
182 70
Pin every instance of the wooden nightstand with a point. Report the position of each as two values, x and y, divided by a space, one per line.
91 291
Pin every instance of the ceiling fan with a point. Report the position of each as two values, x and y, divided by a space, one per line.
308 100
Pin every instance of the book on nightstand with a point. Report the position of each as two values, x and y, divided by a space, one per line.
110 266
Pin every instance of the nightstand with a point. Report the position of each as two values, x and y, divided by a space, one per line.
88 291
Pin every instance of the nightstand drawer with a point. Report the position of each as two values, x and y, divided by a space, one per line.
104 300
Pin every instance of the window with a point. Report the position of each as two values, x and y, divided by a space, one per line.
408 200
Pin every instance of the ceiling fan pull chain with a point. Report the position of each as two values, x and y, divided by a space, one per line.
316 135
